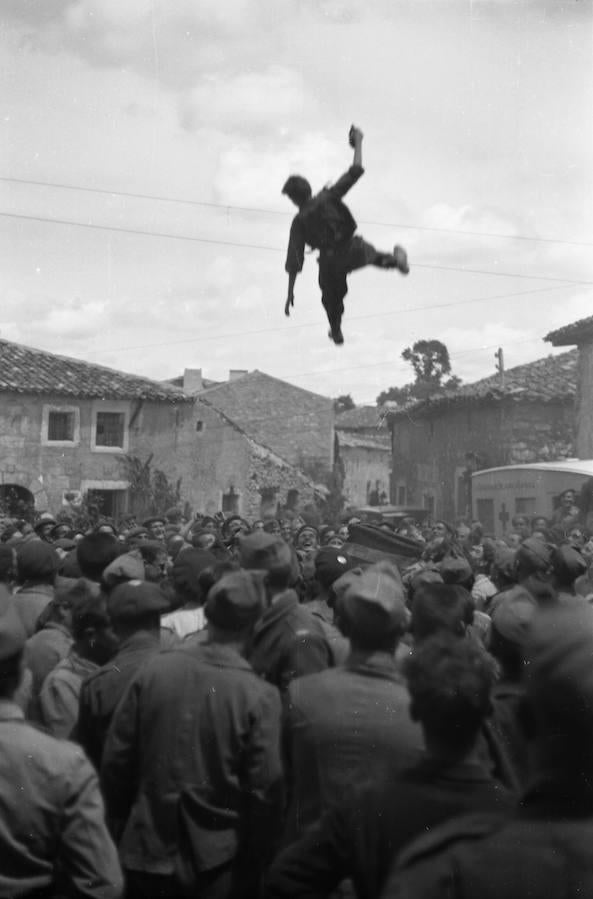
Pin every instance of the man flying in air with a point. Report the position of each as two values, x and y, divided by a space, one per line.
325 223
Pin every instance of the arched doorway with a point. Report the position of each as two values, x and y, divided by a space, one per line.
16 501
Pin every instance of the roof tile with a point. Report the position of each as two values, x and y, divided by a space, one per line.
27 370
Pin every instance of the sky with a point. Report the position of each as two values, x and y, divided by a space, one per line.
144 145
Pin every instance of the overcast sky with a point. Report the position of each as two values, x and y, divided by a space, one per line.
478 118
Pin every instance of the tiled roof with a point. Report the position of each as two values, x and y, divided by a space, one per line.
572 335
360 417
27 370
551 379
350 440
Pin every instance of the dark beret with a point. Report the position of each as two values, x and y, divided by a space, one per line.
36 559
135 599
330 564
237 600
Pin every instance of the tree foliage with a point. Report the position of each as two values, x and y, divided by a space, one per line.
431 364
343 403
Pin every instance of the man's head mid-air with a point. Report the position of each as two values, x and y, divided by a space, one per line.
298 190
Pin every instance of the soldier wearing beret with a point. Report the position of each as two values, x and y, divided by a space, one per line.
288 641
53 837
362 707
134 609
156 527
543 849
37 566
191 769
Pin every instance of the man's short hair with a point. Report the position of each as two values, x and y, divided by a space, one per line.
95 552
297 188
441 607
450 682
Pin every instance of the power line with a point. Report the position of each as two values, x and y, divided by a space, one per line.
261 211
244 425
247 246
406 309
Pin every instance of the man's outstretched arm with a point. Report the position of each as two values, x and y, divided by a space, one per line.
349 178
355 137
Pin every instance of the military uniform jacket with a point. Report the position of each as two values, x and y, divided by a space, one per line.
542 852
339 725
51 815
102 691
288 641
194 721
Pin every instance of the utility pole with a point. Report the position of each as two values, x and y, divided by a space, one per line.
499 356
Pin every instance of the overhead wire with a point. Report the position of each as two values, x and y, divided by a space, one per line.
262 211
402 311
248 246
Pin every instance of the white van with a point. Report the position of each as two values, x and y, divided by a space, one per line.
500 493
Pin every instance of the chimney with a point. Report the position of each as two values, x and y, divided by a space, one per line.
236 373
192 380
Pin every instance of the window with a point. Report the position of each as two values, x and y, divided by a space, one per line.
110 429
230 502
401 495
60 426
200 427
525 505
485 510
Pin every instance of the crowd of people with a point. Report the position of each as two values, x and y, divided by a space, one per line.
219 708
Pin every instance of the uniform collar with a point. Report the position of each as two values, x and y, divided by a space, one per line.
10 711
217 654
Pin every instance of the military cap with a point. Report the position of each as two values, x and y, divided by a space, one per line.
187 568
330 564
156 519
375 600
559 652
44 519
455 570
535 553
12 632
36 559
135 599
265 552
129 566
567 563
512 614
136 532
237 600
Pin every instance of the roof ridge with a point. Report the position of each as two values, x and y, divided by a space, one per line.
128 380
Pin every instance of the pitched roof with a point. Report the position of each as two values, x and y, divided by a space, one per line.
572 335
291 421
24 369
550 379
361 417
350 440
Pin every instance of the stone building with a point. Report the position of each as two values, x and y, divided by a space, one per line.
262 444
296 424
363 456
525 416
69 428
66 428
580 334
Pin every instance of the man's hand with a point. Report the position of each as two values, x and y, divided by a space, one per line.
289 303
355 136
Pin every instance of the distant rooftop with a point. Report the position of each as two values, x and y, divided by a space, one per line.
24 369
572 335
361 417
550 379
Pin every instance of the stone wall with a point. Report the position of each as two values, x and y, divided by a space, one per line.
432 452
